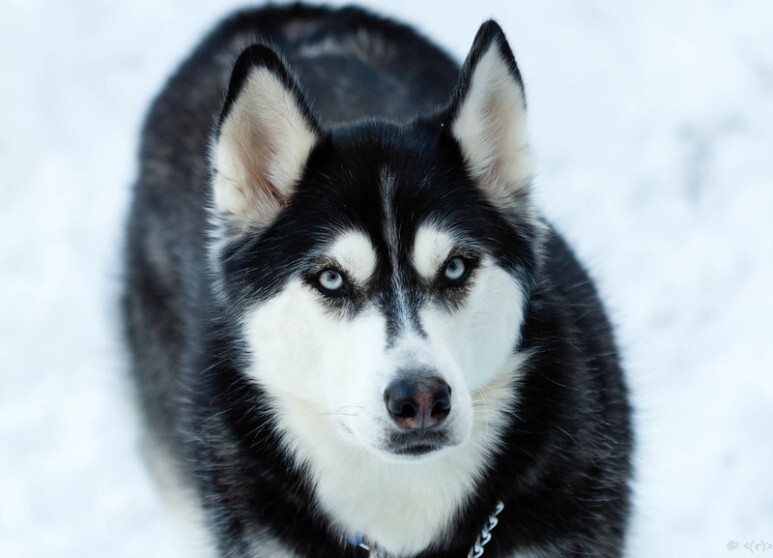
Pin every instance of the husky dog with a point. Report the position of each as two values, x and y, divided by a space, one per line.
351 332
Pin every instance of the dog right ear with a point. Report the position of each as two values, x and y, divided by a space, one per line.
265 134
488 118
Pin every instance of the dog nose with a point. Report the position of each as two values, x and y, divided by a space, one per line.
418 403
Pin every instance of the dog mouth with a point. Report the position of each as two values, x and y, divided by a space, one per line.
418 443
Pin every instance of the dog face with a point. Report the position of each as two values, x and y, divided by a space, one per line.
379 272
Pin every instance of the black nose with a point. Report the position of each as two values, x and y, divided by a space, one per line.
418 403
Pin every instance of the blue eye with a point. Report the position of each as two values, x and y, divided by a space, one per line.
456 270
330 280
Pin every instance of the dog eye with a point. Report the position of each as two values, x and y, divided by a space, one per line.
330 281
456 270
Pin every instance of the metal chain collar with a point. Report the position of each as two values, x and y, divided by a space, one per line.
485 534
477 549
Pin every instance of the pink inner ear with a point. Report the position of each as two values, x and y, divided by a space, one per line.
490 127
261 151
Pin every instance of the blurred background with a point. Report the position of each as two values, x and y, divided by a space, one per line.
653 127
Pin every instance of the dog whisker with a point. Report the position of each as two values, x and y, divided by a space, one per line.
346 411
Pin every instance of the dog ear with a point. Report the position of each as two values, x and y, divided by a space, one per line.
263 140
488 117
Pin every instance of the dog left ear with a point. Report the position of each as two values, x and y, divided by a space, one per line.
265 135
488 117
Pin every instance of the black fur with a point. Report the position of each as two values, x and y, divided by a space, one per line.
259 56
489 32
564 470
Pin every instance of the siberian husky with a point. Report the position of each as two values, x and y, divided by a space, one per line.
351 331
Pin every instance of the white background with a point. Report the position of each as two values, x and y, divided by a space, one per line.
653 125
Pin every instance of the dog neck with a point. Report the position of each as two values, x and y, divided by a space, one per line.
476 551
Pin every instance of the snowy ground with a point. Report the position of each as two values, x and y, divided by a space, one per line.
653 123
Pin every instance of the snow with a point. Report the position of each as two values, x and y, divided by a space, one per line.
653 125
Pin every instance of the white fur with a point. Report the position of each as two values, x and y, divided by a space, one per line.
491 128
327 373
430 250
355 253
261 151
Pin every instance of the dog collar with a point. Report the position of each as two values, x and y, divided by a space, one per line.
475 552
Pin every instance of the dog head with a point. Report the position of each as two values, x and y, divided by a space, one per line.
380 272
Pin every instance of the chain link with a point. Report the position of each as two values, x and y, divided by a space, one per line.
477 549
485 534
